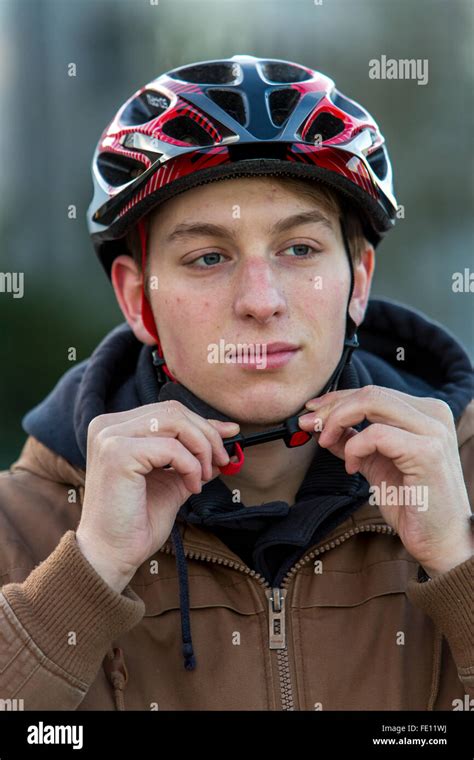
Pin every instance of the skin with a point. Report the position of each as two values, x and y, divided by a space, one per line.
259 290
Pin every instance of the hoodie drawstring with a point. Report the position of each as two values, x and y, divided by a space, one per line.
114 662
187 644
436 672
116 672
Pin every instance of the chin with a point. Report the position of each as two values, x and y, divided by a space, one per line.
260 409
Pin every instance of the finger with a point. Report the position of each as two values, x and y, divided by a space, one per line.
399 446
375 406
201 439
433 407
156 410
143 455
328 398
226 430
338 448
214 430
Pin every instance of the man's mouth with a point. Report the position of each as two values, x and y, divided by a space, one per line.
269 356
277 348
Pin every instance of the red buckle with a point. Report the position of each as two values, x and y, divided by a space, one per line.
297 439
234 467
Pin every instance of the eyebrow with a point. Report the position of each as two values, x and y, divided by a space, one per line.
193 229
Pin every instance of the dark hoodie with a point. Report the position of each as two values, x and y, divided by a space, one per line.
271 537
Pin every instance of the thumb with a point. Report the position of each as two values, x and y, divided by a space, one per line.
226 429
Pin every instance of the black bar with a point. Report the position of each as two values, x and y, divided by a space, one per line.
137 734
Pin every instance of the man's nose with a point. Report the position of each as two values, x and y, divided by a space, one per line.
258 292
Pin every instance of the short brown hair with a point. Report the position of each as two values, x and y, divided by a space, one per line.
327 198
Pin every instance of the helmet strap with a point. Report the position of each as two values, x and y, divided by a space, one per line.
147 314
350 341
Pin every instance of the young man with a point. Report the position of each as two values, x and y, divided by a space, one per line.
237 207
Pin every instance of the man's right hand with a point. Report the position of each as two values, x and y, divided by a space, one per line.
130 499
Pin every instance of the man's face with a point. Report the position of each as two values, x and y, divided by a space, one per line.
246 261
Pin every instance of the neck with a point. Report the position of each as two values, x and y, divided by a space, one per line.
271 472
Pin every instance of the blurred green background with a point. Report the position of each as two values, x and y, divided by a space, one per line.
50 123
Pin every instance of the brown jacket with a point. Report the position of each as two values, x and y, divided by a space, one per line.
356 630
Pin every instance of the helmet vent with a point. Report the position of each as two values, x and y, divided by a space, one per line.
347 105
230 102
118 170
284 73
186 130
148 105
378 162
282 103
209 73
326 125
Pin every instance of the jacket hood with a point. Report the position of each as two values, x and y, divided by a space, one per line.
400 348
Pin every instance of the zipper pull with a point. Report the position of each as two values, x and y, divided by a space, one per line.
276 617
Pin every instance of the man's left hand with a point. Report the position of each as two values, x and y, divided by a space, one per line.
411 442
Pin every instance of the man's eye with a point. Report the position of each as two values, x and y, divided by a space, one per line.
210 260
303 250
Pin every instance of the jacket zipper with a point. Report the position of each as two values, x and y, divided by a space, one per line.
276 598
276 617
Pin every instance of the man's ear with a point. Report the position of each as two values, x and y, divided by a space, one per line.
127 281
363 273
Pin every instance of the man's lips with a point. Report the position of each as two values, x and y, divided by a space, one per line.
271 356
276 348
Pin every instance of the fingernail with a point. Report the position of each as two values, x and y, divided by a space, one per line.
313 404
306 417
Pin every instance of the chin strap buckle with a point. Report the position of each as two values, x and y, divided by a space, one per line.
234 467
